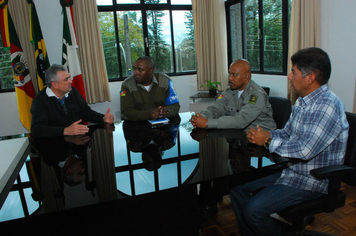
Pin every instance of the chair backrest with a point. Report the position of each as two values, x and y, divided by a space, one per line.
282 107
267 89
350 156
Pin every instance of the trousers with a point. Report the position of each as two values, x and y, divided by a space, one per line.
253 209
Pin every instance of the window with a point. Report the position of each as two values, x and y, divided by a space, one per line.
161 29
258 32
6 79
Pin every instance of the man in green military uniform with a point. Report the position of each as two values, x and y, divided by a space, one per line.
147 95
243 104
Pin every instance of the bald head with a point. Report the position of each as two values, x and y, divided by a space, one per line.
239 74
243 63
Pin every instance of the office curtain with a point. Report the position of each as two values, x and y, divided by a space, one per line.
304 31
20 16
90 51
210 41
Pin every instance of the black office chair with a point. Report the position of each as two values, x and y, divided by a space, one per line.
266 89
282 107
350 156
301 214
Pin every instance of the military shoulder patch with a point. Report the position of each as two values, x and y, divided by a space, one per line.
221 96
253 99
122 93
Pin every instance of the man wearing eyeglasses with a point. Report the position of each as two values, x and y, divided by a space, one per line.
59 109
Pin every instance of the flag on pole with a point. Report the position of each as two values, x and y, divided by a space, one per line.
41 56
70 57
25 91
4 24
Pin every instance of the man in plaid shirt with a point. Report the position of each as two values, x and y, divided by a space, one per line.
316 133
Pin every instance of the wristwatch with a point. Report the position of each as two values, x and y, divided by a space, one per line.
267 143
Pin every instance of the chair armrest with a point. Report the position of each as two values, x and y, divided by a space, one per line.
335 171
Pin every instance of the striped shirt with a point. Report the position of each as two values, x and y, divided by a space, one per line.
317 132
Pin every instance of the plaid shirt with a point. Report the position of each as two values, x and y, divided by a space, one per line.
316 132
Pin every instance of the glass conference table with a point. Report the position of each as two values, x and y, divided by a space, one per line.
131 178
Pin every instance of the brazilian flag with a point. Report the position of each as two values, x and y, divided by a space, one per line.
41 56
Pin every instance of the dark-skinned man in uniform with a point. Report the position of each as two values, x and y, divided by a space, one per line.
147 95
243 104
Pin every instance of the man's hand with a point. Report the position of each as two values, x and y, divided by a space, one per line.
155 114
163 111
199 121
76 129
258 136
108 118
160 112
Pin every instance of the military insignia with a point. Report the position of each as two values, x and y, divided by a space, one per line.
122 93
253 99
221 96
18 68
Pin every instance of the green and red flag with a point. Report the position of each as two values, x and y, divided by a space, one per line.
4 24
41 56
25 91
69 48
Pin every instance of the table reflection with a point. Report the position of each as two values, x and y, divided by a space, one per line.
151 142
72 171
131 159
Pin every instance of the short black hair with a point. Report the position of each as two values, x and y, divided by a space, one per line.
315 60
149 61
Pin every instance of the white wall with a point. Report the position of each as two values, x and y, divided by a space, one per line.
51 19
338 34
277 83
